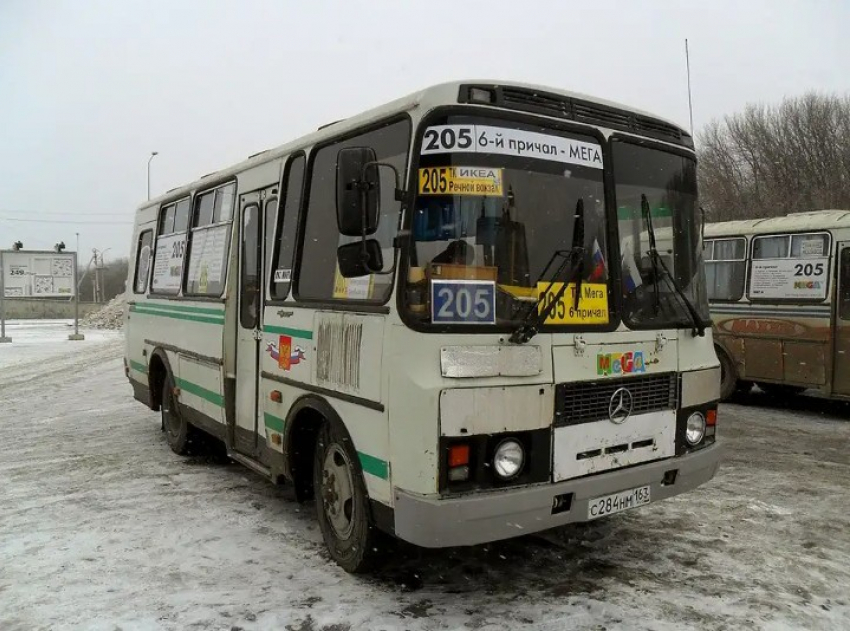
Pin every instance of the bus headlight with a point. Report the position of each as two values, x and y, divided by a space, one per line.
695 428
508 459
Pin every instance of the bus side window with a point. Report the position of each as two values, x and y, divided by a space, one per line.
143 262
170 247
844 285
318 272
269 222
250 268
287 224
209 240
725 268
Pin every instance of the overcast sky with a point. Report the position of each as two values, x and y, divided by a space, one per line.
89 88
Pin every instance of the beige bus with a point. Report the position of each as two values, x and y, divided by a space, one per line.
444 319
779 293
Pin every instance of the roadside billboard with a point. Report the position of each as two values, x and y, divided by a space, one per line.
38 273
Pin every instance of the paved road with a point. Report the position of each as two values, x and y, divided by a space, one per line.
102 527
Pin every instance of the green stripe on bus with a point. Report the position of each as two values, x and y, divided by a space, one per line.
283 330
178 316
273 423
139 367
208 395
377 467
169 307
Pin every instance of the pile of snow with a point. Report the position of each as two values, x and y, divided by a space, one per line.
110 316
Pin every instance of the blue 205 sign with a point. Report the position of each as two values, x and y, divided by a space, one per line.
463 302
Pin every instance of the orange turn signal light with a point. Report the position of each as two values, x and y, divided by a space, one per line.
276 396
458 455
711 418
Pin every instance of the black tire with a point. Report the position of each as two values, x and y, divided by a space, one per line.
728 376
342 504
178 432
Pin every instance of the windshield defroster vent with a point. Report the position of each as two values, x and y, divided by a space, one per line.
579 110
536 102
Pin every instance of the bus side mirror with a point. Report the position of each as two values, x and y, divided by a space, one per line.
360 258
358 191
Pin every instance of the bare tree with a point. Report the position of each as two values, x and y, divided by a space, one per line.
773 160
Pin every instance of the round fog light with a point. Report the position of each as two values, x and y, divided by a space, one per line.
508 459
695 428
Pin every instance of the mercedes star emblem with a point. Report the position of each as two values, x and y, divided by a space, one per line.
620 406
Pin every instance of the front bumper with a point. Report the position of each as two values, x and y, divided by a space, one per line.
472 519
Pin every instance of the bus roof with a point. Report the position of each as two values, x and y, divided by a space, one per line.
793 222
428 98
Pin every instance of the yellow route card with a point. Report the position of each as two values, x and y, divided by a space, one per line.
460 181
592 307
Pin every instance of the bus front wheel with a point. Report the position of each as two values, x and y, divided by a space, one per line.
342 503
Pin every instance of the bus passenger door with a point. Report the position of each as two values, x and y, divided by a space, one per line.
841 332
248 334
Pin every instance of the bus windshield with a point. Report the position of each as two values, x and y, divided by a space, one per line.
658 188
495 201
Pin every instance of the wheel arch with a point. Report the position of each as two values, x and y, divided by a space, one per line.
158 368
301 432
723 352
729 375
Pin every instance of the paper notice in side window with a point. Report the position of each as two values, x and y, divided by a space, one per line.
811 247
789 279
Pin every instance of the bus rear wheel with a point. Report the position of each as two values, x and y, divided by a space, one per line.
178 432
728 376
342 504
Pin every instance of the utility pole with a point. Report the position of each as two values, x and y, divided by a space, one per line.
98 266
94 277
3 338
76 335
97 281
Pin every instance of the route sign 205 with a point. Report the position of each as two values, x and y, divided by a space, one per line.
463 302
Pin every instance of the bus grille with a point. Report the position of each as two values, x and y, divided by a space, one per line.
588 401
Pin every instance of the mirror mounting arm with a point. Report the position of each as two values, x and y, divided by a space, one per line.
399 193
399 196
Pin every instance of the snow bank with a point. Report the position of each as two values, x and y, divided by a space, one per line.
111 316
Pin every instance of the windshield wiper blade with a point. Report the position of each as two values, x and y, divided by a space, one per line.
656 260
573 259
650 231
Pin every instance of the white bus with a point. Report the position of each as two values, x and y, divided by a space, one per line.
779 293
412 316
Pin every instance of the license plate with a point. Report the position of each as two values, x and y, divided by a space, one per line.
610 504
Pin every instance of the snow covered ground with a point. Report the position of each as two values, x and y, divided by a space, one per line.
102 527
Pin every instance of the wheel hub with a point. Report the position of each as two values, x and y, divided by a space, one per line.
337 491
172 420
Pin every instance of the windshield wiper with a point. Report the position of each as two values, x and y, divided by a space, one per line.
572 259
657 261
653 259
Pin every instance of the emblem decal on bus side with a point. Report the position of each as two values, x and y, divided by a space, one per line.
285 354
